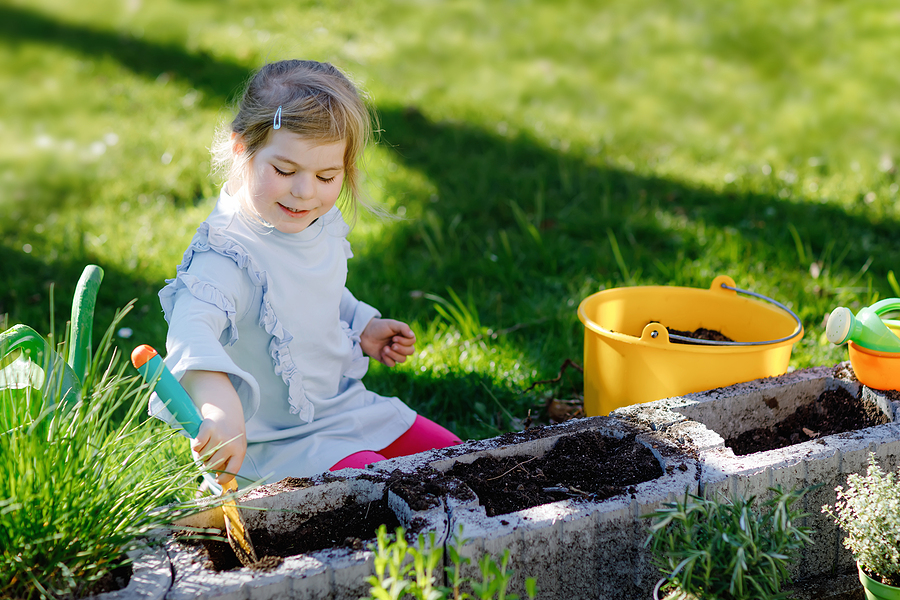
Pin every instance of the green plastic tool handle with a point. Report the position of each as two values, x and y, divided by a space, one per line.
59 379
82 322
170 391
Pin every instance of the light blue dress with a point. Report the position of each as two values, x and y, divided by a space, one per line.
271 310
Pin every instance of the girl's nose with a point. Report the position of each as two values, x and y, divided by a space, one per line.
304 188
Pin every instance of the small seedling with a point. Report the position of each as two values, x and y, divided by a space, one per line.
403 571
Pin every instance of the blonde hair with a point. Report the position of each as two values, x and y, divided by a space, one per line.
317 101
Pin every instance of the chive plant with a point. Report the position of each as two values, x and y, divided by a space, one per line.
81 482
727 550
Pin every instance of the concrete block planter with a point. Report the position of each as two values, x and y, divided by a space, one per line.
702 422
575 548
278 509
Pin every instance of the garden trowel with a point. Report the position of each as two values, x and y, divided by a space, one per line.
154 371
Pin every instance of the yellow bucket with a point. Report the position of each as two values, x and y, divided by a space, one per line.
629 360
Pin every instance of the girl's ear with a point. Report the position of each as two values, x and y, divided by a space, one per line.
237 143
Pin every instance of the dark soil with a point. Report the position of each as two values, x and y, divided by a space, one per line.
834 411
116 579
701 333
586 466
351 526
346 527
423 491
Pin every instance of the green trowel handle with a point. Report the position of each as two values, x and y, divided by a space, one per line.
154 371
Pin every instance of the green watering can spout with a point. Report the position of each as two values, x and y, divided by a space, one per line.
866 329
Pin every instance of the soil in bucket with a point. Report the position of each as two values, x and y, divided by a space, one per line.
834 411
351 526
701 333
586 465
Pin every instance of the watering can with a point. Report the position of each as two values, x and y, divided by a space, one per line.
872 343
62 378
867 329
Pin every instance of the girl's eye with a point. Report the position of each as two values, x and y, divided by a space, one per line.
280 172
327 179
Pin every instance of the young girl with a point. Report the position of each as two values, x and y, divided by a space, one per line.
263 333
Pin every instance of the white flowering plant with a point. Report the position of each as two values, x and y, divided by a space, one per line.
868 510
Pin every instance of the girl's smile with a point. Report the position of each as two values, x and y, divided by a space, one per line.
294 213
294 180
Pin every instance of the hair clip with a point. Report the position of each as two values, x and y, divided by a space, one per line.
276 123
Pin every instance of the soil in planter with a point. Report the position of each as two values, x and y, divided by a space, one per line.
423 490
351 526
585 466
114 580
834 411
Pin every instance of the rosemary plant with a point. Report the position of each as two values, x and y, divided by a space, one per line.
718 550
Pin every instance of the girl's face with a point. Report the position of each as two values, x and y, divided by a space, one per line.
292 180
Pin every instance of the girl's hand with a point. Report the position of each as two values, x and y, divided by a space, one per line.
388 341
222 435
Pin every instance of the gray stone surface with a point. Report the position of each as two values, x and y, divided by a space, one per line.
578 549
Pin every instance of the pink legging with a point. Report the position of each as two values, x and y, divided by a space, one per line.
423 435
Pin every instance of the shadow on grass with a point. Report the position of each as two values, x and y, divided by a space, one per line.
485 179
219 79
521 228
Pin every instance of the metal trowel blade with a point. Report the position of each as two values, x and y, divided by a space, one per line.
235 530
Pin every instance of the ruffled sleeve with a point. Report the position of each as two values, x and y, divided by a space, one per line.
201 306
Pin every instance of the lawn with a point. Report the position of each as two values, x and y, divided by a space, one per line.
534 153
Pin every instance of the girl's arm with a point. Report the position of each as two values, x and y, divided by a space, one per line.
202 307
388 341
222 428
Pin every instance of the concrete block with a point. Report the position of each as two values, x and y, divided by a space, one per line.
350 570
333 574
574 548
310 578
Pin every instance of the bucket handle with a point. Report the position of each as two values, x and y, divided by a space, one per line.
733 288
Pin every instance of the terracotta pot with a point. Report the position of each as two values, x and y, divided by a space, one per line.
875 590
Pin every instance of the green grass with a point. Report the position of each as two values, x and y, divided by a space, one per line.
537 151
